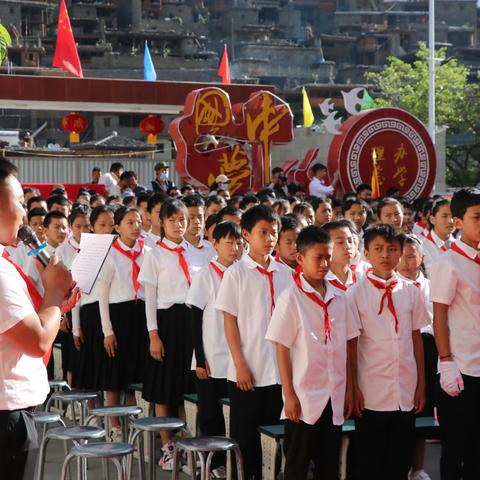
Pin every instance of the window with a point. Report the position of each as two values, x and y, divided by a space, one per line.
106 122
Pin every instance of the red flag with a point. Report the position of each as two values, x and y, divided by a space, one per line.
224 68
66 55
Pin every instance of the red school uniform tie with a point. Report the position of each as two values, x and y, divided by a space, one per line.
132 256
269 275
219 272
318 301
430 237
35 296
388 287
458 250
338 284
181 259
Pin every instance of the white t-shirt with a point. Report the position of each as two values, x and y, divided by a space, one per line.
23 379
245 293
202 294
318 188
319 368
387 370
455 282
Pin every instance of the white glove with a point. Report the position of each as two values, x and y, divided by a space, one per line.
451 379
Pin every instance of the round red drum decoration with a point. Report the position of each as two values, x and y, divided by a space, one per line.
405 153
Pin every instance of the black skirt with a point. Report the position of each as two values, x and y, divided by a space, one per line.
166 382
130 328
69 352
91 355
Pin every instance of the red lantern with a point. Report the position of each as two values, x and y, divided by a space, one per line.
74 123
152 126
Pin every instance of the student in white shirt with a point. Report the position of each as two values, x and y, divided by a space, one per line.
317 186
310 326
202 252
410 270
286 249
86 321
153 213
79 223
322 206
166 277
110 179
341 274
122 311
455 293
438 238
35 218
247 297
211 356
356 211
305 210
142 206
387 360
27 330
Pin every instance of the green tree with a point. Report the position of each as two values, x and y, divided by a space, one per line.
5 41
457 104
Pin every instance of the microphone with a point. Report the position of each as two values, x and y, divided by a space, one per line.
30 240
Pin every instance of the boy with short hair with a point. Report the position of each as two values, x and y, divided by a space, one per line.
210 361
387 364
310 326
341 274
247 297
456 310
286 249
59 203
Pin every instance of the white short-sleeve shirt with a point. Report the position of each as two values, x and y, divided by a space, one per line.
387 371
161 268
20 255
200 255
455 282
319 369
203 294
67 251
23 379
245 294
318 188
32 271
151 239
117 271
432 248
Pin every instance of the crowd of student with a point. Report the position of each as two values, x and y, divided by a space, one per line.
341 319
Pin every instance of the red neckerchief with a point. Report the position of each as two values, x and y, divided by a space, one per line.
132 256
219 272
278 258
318 301
429 237
75 249
269 275
35 296
458 250
388 287
421 224
181 259
354 275
337 283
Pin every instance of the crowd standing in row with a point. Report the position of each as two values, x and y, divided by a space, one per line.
362 303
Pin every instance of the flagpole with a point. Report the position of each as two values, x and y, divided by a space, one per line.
431 69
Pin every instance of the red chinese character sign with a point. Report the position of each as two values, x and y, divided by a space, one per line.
74 123
214 137
405 154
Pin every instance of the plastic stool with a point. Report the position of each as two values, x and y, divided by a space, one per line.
205 447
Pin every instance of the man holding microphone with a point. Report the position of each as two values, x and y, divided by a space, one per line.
26 335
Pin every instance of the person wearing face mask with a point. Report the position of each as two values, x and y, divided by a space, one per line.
220 185
161 183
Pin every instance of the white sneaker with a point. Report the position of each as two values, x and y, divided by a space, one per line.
116 434
166 462
420 475
220 472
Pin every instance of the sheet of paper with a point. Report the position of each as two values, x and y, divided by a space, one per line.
87 264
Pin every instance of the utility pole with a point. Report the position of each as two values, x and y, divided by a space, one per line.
431 69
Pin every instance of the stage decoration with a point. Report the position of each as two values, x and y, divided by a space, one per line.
74 123
392 139
151 126
214 137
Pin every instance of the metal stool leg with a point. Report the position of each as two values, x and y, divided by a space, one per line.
151 457
121 475
41 458
239 462
176 456
66 465
209 465
202 465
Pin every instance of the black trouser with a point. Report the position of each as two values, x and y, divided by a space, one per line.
459 419
384 445
248 411
319 443
210 414
18 444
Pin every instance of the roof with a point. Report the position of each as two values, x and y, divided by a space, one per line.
114 142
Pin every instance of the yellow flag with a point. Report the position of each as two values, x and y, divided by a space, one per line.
307 110
375 178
